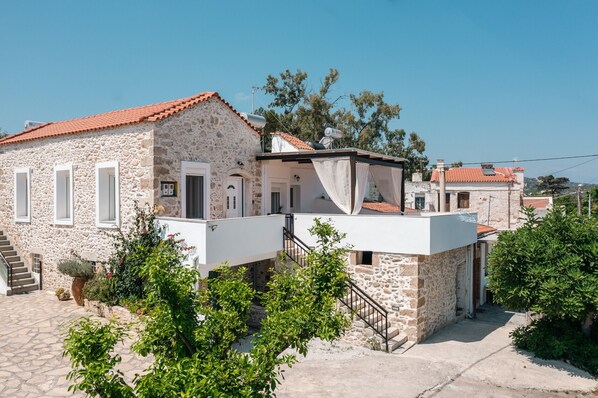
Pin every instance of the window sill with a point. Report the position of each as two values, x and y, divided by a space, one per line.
63 222
109 225
23 220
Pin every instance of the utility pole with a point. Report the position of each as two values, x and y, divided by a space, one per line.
579 199
589 204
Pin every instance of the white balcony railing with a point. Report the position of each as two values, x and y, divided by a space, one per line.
425 233
234 240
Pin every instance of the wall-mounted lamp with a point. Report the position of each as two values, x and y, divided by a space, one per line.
213 226
297 178
240 163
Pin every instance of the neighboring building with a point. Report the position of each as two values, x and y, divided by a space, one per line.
66 184
540 204
495 198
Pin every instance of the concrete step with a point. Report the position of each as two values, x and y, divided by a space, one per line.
9 252
4 243
5 248
3 238
18 264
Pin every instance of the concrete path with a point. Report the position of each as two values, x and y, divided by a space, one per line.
473 358
31 338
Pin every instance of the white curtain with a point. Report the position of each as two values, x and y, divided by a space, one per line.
335 176
388 182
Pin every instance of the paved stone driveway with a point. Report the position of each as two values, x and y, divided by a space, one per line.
31 337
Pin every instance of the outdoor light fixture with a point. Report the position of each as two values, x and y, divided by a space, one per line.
296 177
240 163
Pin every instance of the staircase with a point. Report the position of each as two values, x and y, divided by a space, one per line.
13 271
372 315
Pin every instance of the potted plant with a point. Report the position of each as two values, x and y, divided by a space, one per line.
81 271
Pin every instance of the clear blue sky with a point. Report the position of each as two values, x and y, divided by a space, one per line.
478 80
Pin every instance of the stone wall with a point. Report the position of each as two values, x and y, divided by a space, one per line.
131 146
208 132
419 292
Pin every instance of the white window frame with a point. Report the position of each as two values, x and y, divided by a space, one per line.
196 169
69 220
18 218
108 223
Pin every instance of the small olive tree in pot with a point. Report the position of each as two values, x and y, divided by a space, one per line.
81 271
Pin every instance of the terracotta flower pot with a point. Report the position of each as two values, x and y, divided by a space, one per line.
77 289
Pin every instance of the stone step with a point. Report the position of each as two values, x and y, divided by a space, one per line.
4 242
396 342
6 248
16 283
21 275
9 252
24 289
18 264
3 238
12 259
19 270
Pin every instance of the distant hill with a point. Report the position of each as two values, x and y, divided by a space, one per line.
531 187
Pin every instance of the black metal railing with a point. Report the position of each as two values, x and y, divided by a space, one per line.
295 248
358 301
6 270
289 222
367 309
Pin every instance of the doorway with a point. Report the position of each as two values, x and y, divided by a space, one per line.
234 197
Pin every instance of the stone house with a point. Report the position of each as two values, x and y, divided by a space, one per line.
66 184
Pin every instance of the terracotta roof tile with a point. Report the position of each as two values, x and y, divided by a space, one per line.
140 114
474 174
483 229
537 203
384 207
294 141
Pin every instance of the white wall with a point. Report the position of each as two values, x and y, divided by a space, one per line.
426 234
234 240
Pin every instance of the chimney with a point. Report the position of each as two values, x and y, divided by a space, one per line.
416 177
441 181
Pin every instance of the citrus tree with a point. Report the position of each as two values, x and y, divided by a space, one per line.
190 334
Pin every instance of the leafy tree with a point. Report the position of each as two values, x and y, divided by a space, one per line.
549 267
3 133
191 334
365 122
456 165
552 185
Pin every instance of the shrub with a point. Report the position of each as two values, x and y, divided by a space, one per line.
558 339
100 288
76 268
59 291
131 251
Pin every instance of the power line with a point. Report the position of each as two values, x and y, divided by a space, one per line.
572 167
535 160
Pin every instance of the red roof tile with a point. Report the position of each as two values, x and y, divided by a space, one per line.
474 174
483 229
294 141
537 203
140 114
384 207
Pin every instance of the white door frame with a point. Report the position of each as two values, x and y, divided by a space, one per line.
195 169
241 201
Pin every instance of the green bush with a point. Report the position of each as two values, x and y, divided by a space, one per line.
100 288
76 268
558 339
131 251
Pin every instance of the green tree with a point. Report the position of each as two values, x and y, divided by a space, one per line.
190 334
569 201
365 121
552 185
3 133
549 267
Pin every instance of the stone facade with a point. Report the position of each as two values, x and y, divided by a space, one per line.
130 146
147 153
212 133
420 293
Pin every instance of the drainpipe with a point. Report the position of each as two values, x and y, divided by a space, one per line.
442 181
